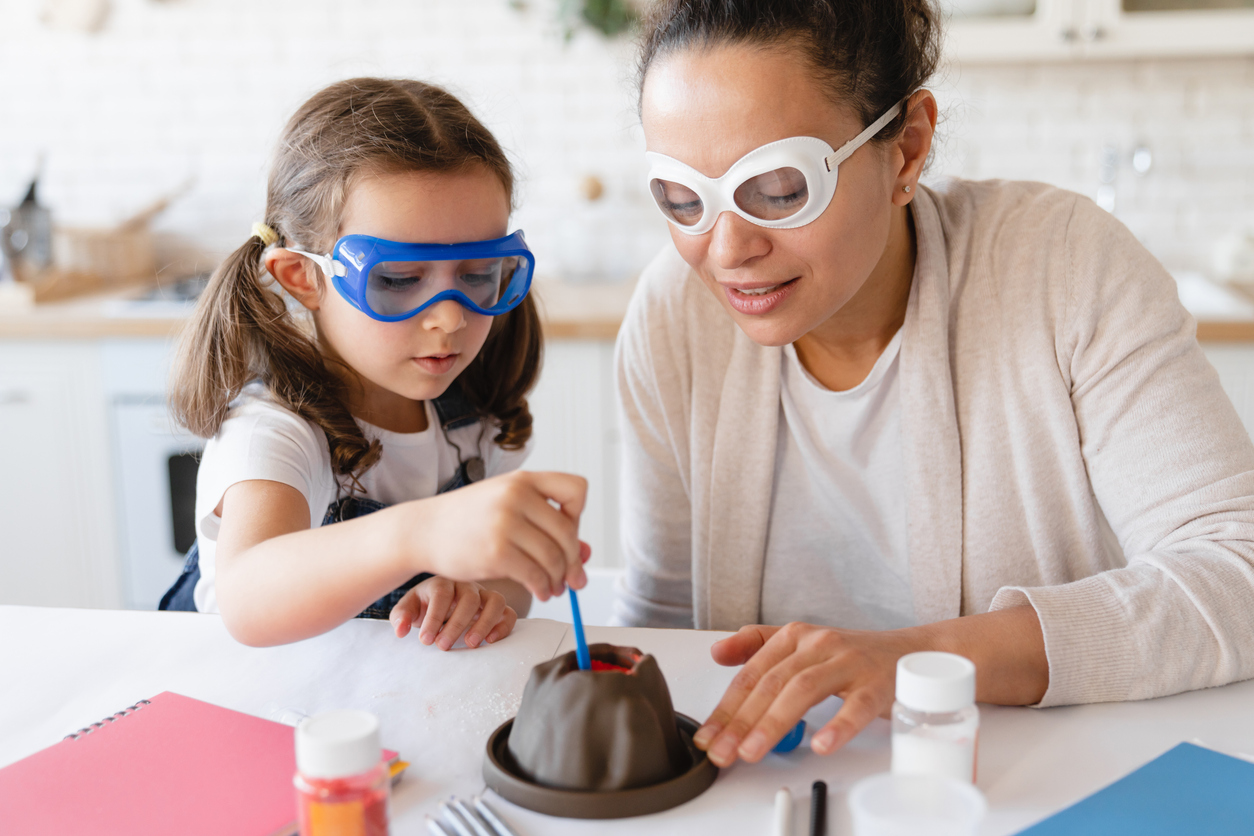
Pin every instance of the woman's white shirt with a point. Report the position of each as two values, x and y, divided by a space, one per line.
836 546
262 440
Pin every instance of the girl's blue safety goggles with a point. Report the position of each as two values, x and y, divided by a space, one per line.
391 281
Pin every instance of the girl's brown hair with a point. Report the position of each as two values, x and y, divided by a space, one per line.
242 329
870 54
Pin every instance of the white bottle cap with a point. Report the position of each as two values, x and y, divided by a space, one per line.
337 744
935 682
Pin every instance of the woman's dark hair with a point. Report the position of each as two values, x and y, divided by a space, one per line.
242 329
869 54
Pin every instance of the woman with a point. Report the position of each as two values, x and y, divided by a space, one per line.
893 418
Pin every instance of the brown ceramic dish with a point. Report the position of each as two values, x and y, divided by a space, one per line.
604 743
502 777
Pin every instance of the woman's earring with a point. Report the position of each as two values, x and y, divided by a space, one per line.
906 189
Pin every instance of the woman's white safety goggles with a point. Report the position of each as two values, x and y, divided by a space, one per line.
782 185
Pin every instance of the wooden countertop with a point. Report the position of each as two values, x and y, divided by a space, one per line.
569 312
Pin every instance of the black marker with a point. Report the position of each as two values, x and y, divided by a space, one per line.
818 809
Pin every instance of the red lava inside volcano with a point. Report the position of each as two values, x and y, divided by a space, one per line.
598 665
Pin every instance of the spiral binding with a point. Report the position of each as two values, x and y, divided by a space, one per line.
113 718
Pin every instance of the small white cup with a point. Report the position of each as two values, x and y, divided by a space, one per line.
915 805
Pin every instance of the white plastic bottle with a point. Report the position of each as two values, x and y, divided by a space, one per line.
935 722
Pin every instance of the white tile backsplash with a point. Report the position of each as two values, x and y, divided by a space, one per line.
177 88
1051 121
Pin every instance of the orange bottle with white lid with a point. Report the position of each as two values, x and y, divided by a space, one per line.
342 782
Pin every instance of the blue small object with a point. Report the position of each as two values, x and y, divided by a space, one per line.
581 644
791 740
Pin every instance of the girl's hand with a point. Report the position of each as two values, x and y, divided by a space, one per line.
521 525
446 608
790 669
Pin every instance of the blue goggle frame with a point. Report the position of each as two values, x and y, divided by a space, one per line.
352 258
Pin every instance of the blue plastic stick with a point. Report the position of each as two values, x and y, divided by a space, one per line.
581 644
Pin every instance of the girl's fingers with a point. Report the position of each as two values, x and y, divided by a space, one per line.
569 491
861 707
439 600
517 566
503 627
538 545
561 524
492 608
467 604
405 613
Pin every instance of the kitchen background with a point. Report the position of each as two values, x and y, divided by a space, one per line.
114 103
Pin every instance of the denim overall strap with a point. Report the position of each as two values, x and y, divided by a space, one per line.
178 597
350 508
454 409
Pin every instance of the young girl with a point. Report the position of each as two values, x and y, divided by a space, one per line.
385 220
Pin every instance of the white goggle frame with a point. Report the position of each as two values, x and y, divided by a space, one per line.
811 156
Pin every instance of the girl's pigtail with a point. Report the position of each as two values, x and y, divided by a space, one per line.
241 332
213 361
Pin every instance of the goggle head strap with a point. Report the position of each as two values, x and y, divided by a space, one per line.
843 152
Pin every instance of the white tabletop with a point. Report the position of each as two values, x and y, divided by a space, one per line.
61 669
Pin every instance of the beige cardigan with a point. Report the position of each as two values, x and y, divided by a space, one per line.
1065 441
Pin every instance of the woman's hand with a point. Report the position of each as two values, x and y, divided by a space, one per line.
523 526
445 609
788 670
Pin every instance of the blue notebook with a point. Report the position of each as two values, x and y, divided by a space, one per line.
1187 790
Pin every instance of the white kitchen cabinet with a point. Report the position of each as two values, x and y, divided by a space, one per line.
1051 30
56 499
1009 30
154 469
1168 28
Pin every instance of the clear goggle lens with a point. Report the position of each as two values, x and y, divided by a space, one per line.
394 288
771 196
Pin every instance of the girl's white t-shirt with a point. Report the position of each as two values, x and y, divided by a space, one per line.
836 546
262 440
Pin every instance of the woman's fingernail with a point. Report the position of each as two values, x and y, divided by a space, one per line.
472 640
824 741
705 734
754 746
426 638
723 751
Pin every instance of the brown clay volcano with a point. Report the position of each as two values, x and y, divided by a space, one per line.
602 743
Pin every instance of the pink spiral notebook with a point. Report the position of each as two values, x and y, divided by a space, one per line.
171 764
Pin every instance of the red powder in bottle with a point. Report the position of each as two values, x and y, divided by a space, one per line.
352 806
